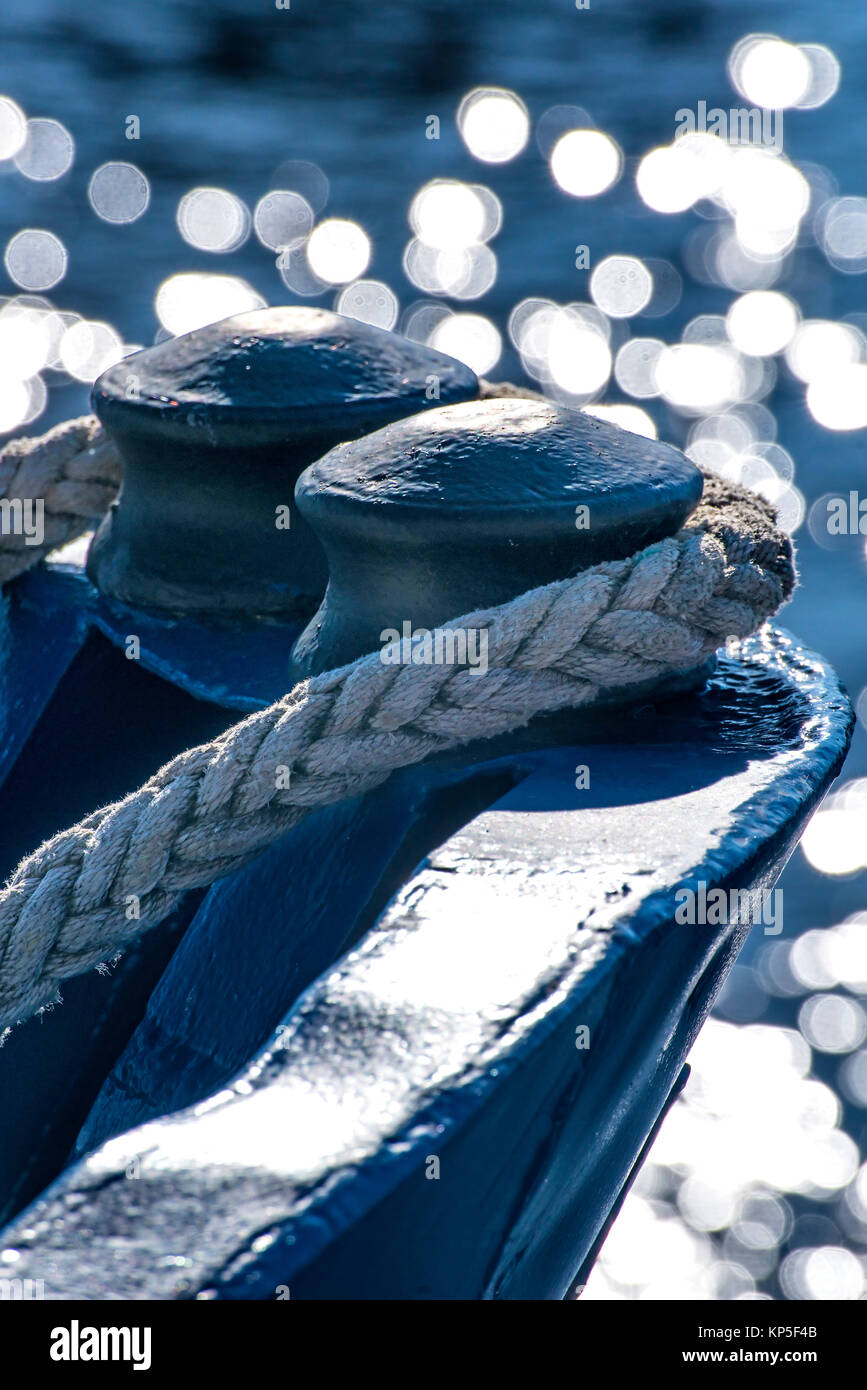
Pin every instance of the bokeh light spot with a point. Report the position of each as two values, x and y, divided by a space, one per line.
821 346
494 124
89 348
370 301
699 377
824 76
621 286
770 72
762 322
213 219
119 192
827 1272
47 152
832 1023
635 367
338 251
841 229
835 840
282 219
36 259
188 301
449 215
585 162
839 400
13 128
471 338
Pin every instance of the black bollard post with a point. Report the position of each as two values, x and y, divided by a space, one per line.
470 505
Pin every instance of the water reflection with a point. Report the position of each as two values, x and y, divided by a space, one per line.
192 300
754 200
47 151
119 192
494 124
757 1147
370 301
713 1212
586 163
35 259
775 74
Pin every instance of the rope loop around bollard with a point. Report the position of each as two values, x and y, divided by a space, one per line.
659 613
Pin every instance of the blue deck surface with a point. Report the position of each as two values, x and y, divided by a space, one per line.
225 98
321 1085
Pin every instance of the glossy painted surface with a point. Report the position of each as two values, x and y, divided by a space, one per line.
449 1030
82 726
275 374
222 87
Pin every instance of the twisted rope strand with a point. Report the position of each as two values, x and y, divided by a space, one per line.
73 470
214 808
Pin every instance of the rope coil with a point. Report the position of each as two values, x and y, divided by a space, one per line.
214 808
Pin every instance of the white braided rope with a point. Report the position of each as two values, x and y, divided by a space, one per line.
212 809
71 474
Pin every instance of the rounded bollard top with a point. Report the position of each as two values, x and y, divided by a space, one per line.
214 429
256 373
469 505
504 469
